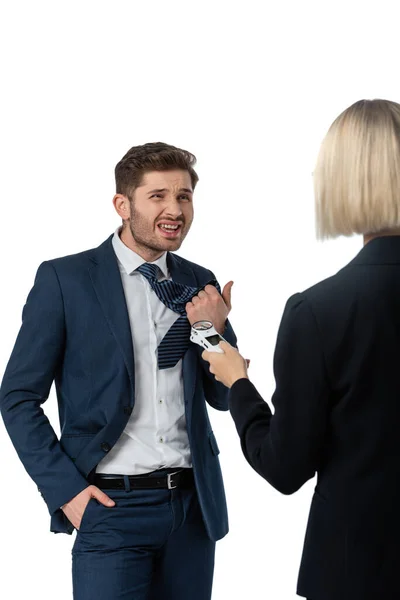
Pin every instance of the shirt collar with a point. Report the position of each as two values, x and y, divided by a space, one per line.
130 260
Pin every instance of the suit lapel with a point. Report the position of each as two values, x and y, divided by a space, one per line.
106 280
180 270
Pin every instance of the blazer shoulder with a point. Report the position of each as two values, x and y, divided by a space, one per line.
331 299
346 282
315 300
324 288
71 263
75 262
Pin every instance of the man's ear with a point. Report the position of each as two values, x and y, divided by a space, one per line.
122 206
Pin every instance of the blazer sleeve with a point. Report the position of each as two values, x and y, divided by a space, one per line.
26 384
286 447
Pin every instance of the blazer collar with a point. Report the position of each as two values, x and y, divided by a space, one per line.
179 269
383 250
131 261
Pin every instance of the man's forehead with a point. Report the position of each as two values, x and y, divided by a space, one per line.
175 178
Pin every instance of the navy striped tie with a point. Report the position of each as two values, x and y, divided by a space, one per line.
175 296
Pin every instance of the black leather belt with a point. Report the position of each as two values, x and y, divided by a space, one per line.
178 479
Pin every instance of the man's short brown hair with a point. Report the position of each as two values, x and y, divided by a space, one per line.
155 156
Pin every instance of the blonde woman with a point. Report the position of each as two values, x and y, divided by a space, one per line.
337 370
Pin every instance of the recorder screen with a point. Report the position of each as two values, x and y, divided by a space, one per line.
214 340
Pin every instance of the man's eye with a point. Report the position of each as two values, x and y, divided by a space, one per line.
184 197
156 196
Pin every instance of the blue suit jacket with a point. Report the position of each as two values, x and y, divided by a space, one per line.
75 331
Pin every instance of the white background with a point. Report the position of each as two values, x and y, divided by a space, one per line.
250 88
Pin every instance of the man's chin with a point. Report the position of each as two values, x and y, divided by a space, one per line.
169 243
165 245
172 245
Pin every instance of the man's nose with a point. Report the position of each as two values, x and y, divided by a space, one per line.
173 208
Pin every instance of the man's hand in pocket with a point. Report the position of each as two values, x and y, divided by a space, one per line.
75 508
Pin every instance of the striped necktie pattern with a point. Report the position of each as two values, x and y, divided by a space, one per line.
175 296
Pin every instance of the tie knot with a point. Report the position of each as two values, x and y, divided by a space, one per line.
149 270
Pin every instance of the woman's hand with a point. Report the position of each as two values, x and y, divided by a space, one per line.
227 367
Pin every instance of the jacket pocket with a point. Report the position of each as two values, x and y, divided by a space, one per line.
213 443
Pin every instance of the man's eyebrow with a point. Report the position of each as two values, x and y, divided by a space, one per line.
159 191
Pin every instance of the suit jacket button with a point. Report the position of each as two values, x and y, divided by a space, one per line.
106 447
127 410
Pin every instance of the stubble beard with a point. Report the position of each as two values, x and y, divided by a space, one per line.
143 234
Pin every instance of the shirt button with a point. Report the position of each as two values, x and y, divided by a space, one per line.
160 401
161 440
105 447
127 410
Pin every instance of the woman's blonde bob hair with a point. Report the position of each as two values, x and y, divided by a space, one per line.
357 175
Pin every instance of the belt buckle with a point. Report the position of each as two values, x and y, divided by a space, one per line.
169 481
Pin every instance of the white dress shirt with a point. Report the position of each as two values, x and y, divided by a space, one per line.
155 436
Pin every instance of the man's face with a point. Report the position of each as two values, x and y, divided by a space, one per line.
162 210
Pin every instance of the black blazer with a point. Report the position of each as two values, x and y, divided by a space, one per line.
337 413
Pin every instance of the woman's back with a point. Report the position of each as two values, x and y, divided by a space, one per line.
354 526
337 372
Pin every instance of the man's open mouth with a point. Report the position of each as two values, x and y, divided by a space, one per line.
170 229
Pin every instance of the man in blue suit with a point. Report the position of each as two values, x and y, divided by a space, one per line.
136 470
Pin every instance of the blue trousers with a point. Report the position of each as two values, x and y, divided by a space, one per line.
151 545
